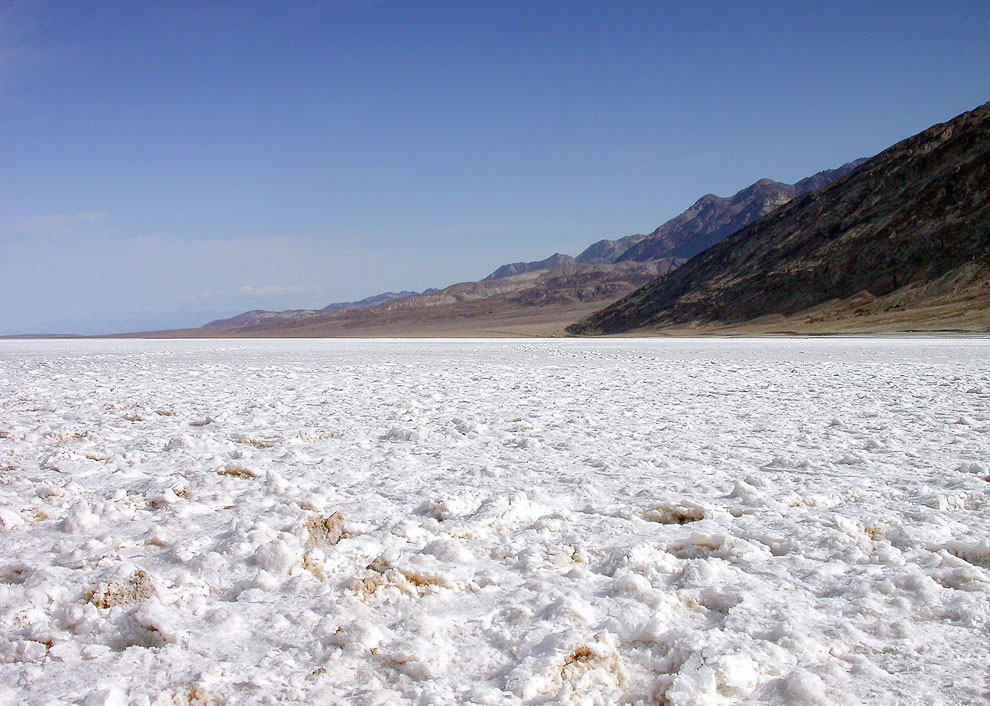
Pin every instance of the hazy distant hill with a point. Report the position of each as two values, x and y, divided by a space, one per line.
260 316
517 268
907 228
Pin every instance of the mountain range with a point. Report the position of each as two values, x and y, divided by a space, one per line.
709 220
902 240
261 316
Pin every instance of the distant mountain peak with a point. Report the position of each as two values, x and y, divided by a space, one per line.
713 218
261 316
517 268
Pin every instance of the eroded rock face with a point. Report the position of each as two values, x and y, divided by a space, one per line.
914 213
709 220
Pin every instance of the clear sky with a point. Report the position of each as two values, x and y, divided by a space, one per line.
162 164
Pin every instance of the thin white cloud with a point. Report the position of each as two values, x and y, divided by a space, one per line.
51 225
275 290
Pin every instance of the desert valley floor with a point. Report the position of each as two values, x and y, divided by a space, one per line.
774 521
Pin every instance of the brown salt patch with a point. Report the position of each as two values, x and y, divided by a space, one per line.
368 586
312 567
875 533
580 655
324 531
133 418
695 547
381 576
110 594
201 422
235 471
195 695
583 661
674 514
164 412
34 514
257 443
420 580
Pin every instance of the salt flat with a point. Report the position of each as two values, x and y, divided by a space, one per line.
589 522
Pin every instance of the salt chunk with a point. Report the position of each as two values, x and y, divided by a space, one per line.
631 584
264 581
9 519
738 674
107 696
278 556
358 636
805 688
450 551
64 652
844 524
80 519
572 609
154 617
95 651
419 659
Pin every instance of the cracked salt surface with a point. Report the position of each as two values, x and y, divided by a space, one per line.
581 522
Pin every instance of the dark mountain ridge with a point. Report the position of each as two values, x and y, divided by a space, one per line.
916 214
710 219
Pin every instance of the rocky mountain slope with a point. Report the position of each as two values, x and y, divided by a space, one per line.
712 218
709 220
824 177
914 218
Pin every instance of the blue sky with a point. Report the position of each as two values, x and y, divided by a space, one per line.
165 163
